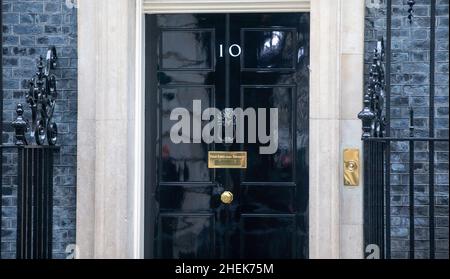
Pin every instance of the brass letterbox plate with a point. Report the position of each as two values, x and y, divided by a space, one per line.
227 160
351 167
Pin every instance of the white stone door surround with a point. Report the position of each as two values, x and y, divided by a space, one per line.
110 189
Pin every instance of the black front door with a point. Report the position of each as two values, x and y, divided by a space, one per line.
201 71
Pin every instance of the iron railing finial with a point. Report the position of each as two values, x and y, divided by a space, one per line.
41 97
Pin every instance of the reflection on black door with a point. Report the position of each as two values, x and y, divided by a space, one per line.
188 57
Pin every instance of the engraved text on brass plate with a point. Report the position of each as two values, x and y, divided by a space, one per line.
227 160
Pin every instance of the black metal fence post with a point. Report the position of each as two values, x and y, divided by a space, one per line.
35 163
1 120
387 190
35 208
431 123
373 195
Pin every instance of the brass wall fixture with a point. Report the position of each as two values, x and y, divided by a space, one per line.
351 167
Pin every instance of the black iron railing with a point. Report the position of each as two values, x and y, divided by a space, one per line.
1 121
34 172
377 140
33 163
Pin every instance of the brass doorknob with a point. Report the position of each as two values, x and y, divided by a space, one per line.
226 197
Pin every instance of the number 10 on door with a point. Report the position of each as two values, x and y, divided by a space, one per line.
234 50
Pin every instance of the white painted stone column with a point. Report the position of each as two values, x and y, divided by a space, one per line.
351 88
324 129
86 133
106 98
337 35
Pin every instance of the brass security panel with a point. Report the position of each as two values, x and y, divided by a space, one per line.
351 167
227 160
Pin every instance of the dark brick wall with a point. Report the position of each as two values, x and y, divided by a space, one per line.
410 87
29 27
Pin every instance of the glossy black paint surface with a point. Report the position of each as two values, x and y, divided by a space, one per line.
184 215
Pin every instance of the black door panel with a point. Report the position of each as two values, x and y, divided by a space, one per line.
243 61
